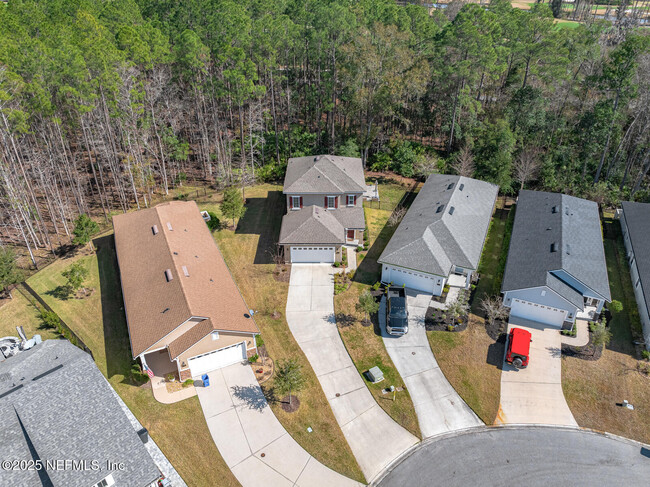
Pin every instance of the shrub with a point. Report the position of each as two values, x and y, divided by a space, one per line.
360 257
337 264
646 354
380 162
50 319
445 289
365 235
616 306
84 228
252 359
351 274
188 382
170 377
365 246
450 328
138 375
405 156
213 223
376 286
259 341
360 248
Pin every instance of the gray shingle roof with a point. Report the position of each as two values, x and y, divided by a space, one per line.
637 217
324 174
65 410
315 225
430 238
571 224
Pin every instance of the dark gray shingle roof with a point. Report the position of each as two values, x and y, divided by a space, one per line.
68 411
572 226
315 225
324 174
637 217
432 239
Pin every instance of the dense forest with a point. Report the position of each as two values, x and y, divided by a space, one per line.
104 104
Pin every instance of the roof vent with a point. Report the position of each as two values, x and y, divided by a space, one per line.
566 210
554 209
450 186
460 188
440 208
168 275
451 210
568 249
154 229
186 272
169 225
553 247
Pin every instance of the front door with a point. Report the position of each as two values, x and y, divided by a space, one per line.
350 234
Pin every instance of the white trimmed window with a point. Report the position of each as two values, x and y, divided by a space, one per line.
351 199
331 202
295 202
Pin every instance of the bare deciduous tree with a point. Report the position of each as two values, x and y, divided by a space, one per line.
526 166
464 163
493 308
396 216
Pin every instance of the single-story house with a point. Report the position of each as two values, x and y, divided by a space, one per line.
635 222
182 305
324 196
59 411
556 269
440 239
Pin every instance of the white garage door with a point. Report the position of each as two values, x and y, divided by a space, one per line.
412 279
312 254
215 360
537 312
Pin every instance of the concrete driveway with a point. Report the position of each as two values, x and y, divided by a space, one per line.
438 407
375 439
251 440
534 394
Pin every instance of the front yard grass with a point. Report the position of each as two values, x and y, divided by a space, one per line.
592 389
364 344
469 361
178 429
247 251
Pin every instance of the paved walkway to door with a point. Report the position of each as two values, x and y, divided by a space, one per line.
534 394
438 406
251 440
374 438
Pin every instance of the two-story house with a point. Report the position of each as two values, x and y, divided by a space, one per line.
324 196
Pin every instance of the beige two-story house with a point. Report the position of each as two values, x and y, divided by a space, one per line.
324 197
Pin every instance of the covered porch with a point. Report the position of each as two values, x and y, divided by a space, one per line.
158 362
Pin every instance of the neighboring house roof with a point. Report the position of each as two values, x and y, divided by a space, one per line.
56 405
324 174
637 218
572 226
155 306
432 239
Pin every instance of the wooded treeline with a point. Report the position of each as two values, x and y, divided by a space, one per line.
104 104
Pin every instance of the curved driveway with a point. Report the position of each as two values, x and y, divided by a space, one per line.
525 456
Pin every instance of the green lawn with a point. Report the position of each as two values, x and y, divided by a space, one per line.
21 311
364 344
493 258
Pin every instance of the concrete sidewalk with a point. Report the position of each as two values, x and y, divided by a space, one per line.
375 439
534 394
251 440
438 407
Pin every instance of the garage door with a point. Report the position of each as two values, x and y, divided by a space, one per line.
219 358
537 312
312 254
411 279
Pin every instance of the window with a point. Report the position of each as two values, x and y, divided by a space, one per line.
215 335
105 482
295 202
351 200
331 202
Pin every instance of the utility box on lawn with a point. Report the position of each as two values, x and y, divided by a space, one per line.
375 375
206 380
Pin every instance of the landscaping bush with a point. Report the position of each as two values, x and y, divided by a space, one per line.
188 382
616 306
445 289
360 248
252 359
646 354
213 223
50 319
351 275
360 258
137 374
337 264
376 286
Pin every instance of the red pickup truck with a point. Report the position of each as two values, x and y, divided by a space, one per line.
518 347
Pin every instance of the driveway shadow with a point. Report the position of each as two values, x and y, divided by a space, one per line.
117 347
251 395
263 217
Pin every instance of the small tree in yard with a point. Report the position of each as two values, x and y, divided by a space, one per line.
9 273
84 229
457 308
367 304
616 306
75 276
232 206
601 335
289 378
493 308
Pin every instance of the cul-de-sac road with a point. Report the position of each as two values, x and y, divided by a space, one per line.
530 455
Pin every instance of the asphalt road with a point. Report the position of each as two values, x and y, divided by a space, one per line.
523 456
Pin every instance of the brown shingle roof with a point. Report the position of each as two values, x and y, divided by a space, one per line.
189 338
155 306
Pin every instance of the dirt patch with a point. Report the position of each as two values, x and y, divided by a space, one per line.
174 386
84 293
282 273
290 404
496 329
263 370
276 315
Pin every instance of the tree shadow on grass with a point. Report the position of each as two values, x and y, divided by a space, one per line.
116 338
61 293
263 217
